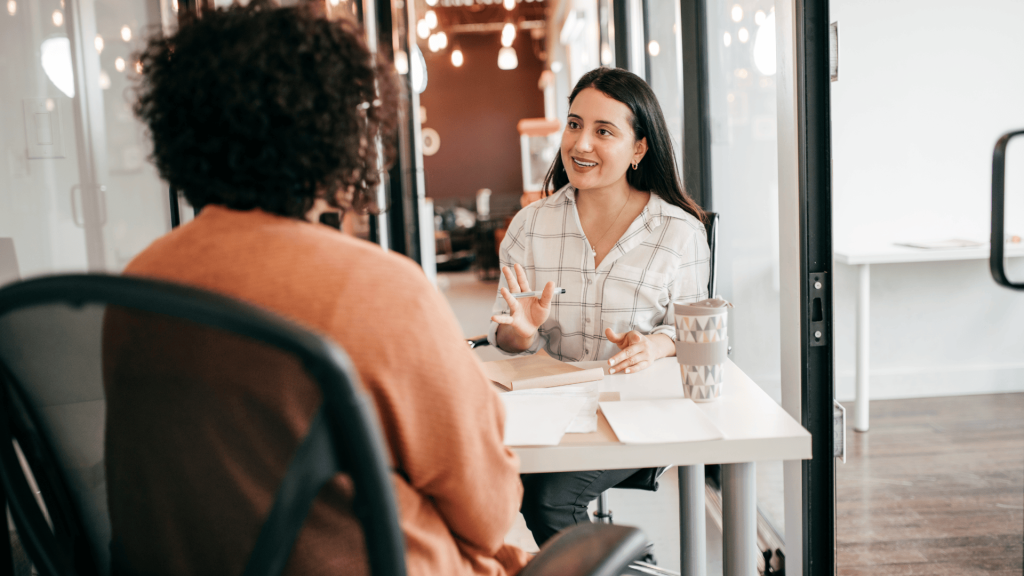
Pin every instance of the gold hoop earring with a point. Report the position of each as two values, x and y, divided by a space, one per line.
634 165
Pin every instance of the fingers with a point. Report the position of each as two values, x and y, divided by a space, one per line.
502 319
612 336
513 284
549 293
513 304
635 354
524 283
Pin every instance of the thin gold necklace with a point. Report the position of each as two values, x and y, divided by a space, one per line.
593 245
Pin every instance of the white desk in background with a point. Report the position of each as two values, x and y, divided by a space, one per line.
753 426
862 257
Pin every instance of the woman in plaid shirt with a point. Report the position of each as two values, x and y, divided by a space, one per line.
619 233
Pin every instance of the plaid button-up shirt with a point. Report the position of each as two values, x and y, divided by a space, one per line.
663 257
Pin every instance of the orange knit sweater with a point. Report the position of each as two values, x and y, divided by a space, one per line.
458 487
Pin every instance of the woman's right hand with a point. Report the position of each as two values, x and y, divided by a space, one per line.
525 314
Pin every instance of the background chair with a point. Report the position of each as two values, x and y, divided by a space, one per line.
57 337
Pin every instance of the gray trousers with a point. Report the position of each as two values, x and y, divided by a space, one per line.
558 500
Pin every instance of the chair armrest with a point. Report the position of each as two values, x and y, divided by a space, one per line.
588 550
477 341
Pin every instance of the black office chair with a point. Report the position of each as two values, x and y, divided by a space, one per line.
59 334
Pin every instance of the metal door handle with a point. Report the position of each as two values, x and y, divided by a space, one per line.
997 240
75 216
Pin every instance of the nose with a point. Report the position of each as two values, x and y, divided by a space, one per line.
583 142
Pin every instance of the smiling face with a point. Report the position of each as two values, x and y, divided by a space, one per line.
598 145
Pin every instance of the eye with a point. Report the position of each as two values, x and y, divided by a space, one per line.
573 124
604 132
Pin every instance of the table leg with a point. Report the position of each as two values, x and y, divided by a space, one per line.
692 534
860 415
739 519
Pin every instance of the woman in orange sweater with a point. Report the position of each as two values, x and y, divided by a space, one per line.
265 118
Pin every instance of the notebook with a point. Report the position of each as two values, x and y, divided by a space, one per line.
537 371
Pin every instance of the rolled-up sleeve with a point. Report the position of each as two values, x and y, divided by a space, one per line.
690 282
513 251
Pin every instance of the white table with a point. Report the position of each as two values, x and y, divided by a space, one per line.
754 427
863 257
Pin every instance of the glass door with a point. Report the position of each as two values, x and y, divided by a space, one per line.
76 190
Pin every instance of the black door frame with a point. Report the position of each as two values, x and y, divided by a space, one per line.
814 142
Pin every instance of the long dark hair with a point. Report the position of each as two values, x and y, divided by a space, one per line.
656 172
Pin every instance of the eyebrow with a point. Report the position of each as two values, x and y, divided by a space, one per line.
612 124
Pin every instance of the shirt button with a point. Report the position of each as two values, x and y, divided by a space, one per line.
587 320
587 351
590 281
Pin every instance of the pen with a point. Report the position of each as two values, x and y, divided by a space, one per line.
535 293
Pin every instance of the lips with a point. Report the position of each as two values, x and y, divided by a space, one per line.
583 163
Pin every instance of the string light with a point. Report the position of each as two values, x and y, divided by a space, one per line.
654 48
510 5
743 35
508 34
423 29
119 64
98 42
737 13
727 39
58 18
759 17
457 58
12 7
442 40
431 18
126 33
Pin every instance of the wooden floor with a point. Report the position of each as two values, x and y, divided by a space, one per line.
936 487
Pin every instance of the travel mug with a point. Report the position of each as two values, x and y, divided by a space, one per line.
702 344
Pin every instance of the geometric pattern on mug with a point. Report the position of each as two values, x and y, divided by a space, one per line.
703 375
704 393
702 329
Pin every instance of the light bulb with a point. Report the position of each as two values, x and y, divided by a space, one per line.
126 33
442 40
104 80
401 62
759 17
58 18
138 67
727 39
12 7
743 35
431 2
654 48
98 42
508 34
457 58
423 29
119 64
507 59
433 43
334 2
510 5
737 13
431 18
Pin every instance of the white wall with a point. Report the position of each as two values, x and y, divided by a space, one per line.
925 88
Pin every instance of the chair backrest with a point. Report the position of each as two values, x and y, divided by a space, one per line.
110 382
712 231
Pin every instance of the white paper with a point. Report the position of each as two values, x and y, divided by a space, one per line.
659 421
586 420
538 419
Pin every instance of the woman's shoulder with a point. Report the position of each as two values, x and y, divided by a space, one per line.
678 221
552 205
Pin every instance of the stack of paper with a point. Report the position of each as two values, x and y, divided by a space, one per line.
538 419
586 418
659 421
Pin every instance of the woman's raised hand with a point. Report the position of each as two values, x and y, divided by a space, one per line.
525 314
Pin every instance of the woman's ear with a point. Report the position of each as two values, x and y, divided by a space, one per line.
639 150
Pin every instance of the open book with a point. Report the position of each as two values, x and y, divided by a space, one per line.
537 371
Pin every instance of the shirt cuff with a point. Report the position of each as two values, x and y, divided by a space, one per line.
492 338
666 329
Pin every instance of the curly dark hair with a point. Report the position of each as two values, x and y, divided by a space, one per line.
267 107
